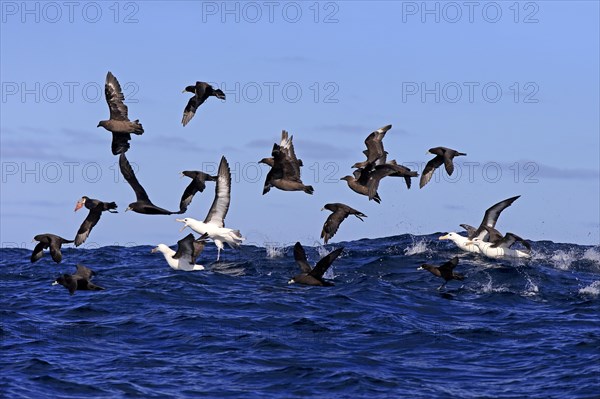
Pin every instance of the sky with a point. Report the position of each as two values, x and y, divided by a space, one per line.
515 85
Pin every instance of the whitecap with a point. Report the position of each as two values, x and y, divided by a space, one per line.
592 289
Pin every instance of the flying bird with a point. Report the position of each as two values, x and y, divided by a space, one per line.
80 280
96 208
445 271
490 218
384 170
119 123
142 204
202 91
196 185
46 241
285 167
374 152
313 276
358 182
443 156
188 250
214 224
340 212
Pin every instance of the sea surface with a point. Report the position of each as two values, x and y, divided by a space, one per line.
524 329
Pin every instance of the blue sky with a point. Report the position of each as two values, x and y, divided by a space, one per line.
514 85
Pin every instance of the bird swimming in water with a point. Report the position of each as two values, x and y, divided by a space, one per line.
313 276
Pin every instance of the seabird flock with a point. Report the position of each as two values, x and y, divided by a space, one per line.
284 174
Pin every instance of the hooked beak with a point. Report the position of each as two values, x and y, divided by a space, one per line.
444 237
183 91
128 209
181 175
79 205
182 221
154 250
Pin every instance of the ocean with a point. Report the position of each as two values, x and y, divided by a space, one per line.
511 329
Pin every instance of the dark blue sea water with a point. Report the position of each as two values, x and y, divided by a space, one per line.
529 329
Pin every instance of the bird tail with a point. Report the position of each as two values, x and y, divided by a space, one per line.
111 206
309 189
377 198
137 126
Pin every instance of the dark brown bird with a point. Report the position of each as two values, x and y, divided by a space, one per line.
196 185
46 241
358 182
96 208
80 280
202 91
388 169
340 212
119 123
374 152
313 276
285 167
143 204
445 271
444 156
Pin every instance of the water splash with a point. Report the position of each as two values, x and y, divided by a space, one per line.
592 289
592 254
563 259
418 246
274 250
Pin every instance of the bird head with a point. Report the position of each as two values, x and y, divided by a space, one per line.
185 222
102 123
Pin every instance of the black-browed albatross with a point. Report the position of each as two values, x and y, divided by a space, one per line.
214 223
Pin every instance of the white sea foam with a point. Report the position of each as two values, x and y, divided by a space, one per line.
562 260
592 289
488 288
592 254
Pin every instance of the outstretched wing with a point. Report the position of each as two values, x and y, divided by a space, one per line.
324 263
115 99
128 174
88 224
220 206
431 166
84 272
491 216
300 257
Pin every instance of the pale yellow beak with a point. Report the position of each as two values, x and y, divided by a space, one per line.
444 237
